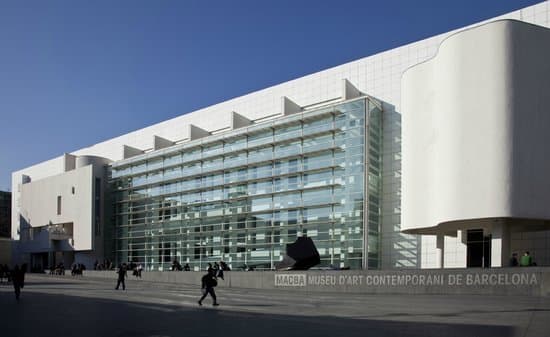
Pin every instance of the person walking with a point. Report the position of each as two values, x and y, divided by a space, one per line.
514 260
2 273
121 276
17 278
208 283
221 269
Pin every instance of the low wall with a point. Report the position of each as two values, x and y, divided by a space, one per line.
534 281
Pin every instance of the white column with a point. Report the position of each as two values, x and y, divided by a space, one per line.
500 244
462 249
440 251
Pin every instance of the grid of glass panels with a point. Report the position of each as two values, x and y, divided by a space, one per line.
242 196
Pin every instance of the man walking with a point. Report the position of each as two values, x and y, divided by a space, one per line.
208 283
121 276
18 280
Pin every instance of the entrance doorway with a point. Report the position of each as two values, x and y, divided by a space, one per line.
478 249
39 262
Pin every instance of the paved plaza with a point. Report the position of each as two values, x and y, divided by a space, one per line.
67 306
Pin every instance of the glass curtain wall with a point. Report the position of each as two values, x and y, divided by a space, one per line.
243 195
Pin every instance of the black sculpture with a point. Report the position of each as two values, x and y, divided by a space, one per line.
300 255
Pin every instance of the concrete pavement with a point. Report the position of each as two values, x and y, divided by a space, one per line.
67 306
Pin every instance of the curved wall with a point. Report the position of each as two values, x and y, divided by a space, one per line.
82 161
476 121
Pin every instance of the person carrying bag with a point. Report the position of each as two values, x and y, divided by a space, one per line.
208 283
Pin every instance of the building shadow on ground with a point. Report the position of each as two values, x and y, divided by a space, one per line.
39 314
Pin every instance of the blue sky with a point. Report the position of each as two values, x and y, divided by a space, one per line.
74 73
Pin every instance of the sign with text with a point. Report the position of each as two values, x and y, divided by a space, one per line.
290 280
406 279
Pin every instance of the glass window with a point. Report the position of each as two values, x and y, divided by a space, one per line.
264 187
234 176
235 159
318 143
318 125
119 172
212 164
318 161
139 168
154 191
288 149
172 188
316 214
154 177
139 180
263 137
286 166
154 164
260 154
191 154
264 171
172 159
317 179
286 183
286 200
256 206
317 197
212 195
235 144
277 185
237 191
212 180
187 184
289 217
293 182
260 204
288 132
192 197
212 149
236 207
191 169
212 210
174 172
261 187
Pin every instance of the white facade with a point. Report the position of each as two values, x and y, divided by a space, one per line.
74 192
474 134
378 75
59 213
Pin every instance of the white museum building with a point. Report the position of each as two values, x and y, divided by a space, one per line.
430 155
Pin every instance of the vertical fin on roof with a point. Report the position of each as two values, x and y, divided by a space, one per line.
239 121
288 107
128 151
69 162
195 132
349 91
161 143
